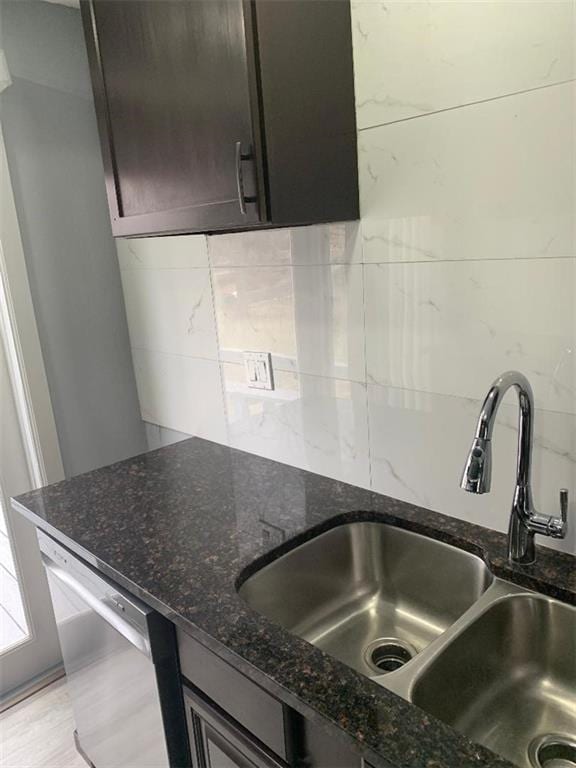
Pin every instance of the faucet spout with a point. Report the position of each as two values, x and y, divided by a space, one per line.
525 522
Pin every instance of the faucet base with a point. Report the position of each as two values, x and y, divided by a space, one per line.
521 544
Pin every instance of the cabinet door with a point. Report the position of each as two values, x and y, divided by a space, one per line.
222 753
176 102
217 741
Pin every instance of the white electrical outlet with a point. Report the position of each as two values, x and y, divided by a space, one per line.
259 373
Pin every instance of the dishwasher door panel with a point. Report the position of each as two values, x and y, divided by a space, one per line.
112 683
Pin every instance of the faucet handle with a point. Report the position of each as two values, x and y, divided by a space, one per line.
564 505
558 526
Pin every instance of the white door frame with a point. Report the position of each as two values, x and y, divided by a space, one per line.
30 453
34 394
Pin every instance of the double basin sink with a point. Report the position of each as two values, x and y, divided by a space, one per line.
431 623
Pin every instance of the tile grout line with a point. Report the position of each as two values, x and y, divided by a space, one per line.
366 400
295 371
361 222
467 398
365 383
467 104
360 263
174 354
526 259
218 360
249 266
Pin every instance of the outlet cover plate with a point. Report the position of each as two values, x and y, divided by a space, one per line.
259 374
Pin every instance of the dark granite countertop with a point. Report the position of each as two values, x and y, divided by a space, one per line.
180 526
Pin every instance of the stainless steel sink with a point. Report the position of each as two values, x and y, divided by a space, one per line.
372 595
430 622
508 681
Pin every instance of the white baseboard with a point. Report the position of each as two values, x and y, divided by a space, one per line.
33 686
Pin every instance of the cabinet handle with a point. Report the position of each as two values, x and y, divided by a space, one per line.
242 199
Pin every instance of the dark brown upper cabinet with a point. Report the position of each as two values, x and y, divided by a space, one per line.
218 115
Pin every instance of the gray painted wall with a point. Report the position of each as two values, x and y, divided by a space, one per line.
53 153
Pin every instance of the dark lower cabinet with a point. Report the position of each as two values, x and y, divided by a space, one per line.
233 723
216 741
218 115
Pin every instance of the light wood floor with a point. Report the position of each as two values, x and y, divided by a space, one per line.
37 732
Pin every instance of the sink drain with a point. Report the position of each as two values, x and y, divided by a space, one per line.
553 751
388 654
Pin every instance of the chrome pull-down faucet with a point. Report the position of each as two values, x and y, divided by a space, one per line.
525 521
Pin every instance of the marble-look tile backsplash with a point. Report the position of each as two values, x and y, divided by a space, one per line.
449 327
310 318
415 58
487 181
385 334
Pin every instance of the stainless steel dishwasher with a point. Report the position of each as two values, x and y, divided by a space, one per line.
121 666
